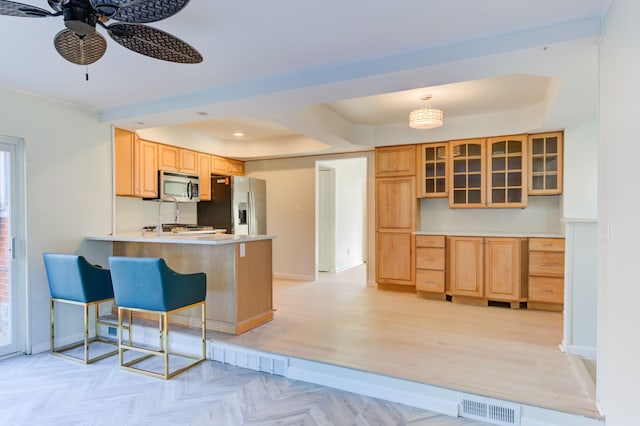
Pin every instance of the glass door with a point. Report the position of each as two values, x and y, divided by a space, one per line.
9 337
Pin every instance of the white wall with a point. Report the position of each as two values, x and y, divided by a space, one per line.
619 207
291 212
133 213
581 171
68 168
542 215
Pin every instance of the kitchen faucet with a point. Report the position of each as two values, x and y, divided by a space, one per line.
177 217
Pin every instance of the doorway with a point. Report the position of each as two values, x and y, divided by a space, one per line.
11 261
341 214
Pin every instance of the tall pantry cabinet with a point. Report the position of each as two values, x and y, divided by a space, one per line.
396 216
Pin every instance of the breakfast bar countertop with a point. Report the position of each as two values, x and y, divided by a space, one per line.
180 238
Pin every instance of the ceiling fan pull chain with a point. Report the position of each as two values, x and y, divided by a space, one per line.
86 73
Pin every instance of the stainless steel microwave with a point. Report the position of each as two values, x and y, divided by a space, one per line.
183 187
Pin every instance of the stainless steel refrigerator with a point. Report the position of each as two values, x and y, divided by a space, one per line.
238 204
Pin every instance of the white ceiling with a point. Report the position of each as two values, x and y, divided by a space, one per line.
319 77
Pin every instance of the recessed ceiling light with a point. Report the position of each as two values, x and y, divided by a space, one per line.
140 123
238 134
202 113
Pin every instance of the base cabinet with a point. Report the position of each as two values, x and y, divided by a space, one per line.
488 269
546 274
394 258
430 266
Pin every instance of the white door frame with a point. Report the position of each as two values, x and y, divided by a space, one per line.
17 238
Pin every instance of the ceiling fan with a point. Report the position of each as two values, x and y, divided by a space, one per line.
81 44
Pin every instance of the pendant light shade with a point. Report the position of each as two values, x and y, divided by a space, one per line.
426 117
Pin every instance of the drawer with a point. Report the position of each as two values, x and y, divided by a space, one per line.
429 240
543 289
432 281
546 244
430 258
546 263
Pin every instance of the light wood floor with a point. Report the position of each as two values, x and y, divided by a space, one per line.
497 352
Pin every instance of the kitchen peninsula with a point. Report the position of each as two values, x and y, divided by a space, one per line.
239 273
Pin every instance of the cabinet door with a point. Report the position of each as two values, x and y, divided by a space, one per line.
466 263
396 204
432 176
394 264
219 166
168 158
507 171
466 173
396 161
236 168
147 170
188 161
503 276
545 171
124 162
204 168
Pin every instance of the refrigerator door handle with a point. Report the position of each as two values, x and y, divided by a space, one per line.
251 214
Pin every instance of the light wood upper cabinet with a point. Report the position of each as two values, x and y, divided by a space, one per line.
124 162
467 173
188 161
204 168
507 171
177 159
488 172
147 182
432 170
219 166
136 170
236 168
396 161
545 173
168 158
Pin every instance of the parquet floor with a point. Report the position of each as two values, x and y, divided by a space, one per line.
46 390
509 354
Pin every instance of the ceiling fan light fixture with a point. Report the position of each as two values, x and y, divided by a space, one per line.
426 117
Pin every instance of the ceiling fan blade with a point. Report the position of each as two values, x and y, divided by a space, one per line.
138 11
80 49
154 43
11 8
55 5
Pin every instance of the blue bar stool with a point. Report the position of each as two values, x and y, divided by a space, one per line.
148 285
75 281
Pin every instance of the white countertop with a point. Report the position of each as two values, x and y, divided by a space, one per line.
180 238
490 234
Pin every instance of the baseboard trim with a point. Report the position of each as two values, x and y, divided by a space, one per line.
293 277
582 351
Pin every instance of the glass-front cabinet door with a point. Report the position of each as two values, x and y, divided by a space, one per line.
507 171
466 165
545 174
432 163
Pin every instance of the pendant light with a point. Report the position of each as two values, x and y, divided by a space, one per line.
426 117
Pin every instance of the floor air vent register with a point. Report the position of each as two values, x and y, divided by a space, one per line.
489 410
